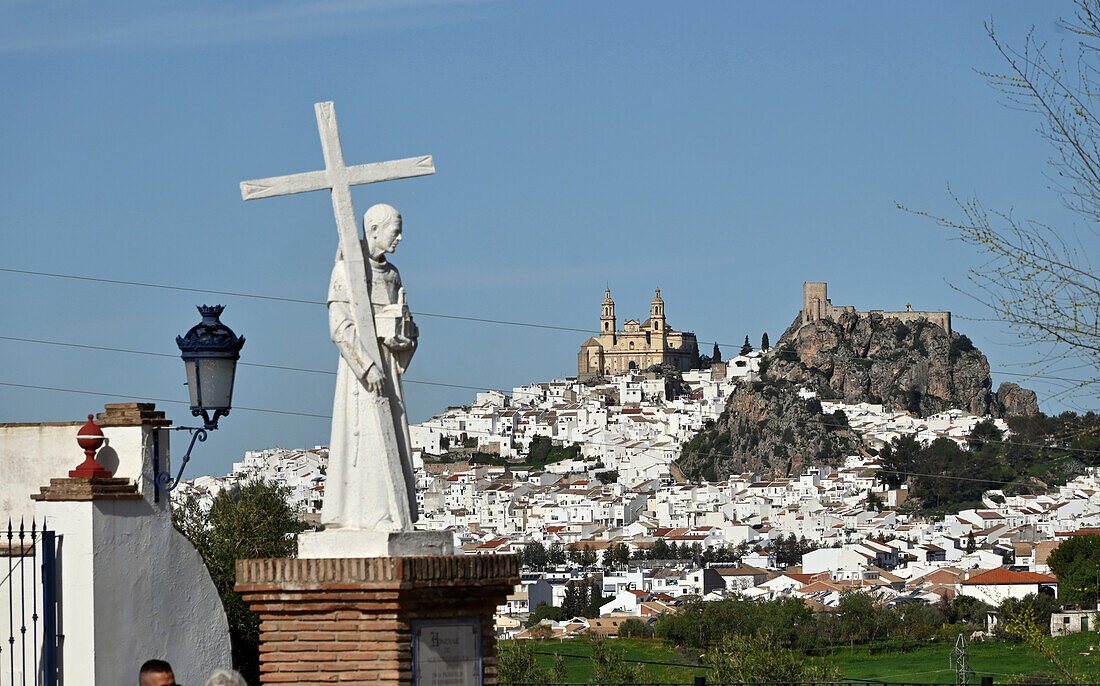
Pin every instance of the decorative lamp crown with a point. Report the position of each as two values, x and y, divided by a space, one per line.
210 351
90 438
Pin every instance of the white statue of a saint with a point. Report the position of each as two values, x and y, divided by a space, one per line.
369 483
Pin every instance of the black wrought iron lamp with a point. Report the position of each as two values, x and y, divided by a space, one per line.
210 351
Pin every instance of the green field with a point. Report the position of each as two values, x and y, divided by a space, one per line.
998 659
927 664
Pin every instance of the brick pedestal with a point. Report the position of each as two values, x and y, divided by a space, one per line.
87 488
327 621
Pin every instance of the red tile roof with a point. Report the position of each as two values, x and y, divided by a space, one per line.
1000 575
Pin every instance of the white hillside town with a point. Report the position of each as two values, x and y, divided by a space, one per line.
616 501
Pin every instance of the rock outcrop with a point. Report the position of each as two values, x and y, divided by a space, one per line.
915 366
1015 401
767 429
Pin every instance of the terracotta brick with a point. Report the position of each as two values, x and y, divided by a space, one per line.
300 667
279 678
359 676
395 675
350 620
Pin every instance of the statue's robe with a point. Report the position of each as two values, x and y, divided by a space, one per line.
369 483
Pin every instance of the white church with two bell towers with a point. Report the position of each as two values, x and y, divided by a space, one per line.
639 345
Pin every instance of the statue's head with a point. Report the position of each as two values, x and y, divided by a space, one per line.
381 229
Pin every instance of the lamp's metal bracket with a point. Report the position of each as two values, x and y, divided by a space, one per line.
164 480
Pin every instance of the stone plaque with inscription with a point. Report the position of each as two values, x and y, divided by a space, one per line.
447 653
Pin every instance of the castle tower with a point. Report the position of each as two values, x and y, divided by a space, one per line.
607 319
815 300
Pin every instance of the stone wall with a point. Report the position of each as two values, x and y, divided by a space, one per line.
816 306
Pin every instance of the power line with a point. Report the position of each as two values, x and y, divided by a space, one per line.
129 351
482 320
1043 376
142 284
244 364
640 662
481 388
158 285
159 400
945 476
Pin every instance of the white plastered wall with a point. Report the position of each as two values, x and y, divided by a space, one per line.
132 587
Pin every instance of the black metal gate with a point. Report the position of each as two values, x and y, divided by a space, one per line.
32 652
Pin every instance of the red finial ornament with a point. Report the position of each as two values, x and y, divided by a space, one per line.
90 438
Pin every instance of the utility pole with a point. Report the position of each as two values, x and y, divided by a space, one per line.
960 661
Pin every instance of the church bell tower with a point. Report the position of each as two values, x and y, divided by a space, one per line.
607 319
657 312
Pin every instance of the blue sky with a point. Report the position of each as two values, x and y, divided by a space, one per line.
725 152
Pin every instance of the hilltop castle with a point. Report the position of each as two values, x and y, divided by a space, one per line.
816 305
639 345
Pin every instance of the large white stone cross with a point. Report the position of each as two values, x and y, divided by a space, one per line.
339 178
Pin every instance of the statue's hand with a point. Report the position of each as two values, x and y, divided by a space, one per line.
374 381
398 343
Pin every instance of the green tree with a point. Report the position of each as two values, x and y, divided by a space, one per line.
919 621
1025 627
622 554
873 501
765 344
968 610
572 605
573 553
1038 607
608 477
517 662
746 347
534 555
544 611
610 667
745 658
661 550
983 433
971 546
789 550
635 628
1076 563
595 600
248 521
854 612
555 555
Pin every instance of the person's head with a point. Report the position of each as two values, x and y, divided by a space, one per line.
226 677
381 229
156 673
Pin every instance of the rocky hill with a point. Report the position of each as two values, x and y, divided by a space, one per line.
918 367
768 429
